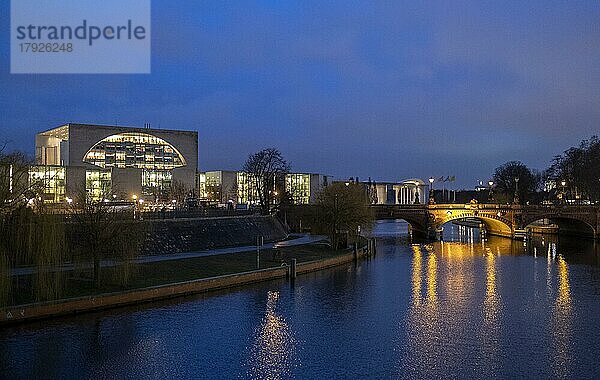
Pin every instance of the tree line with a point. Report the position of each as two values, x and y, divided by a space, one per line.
44 239
574 175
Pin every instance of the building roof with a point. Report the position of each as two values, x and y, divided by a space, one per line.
62 131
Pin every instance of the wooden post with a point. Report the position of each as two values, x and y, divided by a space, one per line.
293 269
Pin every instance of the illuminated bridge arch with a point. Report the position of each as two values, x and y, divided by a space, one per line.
495 222
134 150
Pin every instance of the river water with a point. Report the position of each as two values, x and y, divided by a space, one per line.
462 308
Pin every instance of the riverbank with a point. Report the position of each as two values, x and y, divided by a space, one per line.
162 280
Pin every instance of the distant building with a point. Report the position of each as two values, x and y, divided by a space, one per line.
220 186
410 191
305 187
240 188
131 161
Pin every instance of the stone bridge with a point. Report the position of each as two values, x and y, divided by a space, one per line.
502 220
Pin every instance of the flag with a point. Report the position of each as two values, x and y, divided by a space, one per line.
453 178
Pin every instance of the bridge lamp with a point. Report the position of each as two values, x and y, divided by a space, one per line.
491 183
448 212
563 183
431 197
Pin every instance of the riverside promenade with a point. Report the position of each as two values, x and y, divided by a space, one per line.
198 272
292 241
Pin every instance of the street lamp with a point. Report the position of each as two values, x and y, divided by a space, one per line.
516 198
431 198
135 206
563 183
491 195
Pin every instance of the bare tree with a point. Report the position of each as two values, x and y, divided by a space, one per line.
102 230
179 191
267 168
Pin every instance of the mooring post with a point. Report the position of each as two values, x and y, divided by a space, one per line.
293 269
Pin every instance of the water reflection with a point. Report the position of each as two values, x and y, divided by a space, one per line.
491 302
490 334
472 309
449 274
561 322
416 275
272 354
431 278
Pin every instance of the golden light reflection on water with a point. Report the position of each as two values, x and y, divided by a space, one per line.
416 274
431 279
491 302
271 356
490 334
453 281
562 320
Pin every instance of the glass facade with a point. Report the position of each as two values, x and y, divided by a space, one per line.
201 181
247 189
213 185
97 184
50 180
298 186
157 182
134 150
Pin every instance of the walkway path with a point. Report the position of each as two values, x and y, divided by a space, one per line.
296 239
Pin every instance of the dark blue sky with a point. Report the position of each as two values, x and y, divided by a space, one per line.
383 89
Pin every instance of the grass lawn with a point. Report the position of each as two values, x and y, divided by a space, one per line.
165 272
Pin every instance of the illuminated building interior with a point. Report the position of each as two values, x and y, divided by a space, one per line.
298 186
134 150
247 189
201 181
156 182
127 160
97 184
52 181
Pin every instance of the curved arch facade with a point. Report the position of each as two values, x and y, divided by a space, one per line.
134 150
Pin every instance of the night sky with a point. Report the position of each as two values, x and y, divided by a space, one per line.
389 90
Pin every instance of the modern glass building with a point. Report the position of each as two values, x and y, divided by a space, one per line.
126 161
241 188
304 187
50 180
